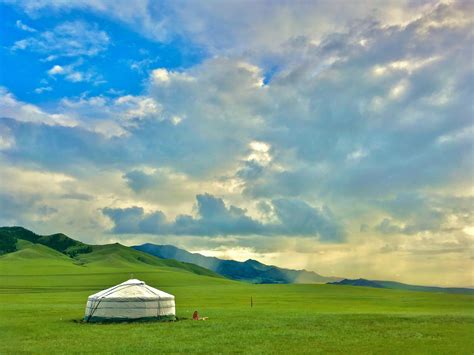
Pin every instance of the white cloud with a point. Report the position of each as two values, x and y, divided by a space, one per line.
160 75
260 153
57 69
234 26
138 107
68 39
357 154
35 194
24 27
25 112
351 119
163 77
42 89
96 114
70 73
465 134
398 90
407 65
7 140
142 65
110 116
176 120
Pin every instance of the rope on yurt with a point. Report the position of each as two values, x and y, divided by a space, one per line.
159 298
102 297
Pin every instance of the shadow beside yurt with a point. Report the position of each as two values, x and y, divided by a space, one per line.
132 300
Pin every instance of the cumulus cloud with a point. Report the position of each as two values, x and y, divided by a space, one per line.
321 133
7 140
214 217
23 209
50 144
105 115
297 217
48 201
11 107
412 213
366 114
122 109
327 117
341 121
141 181
234 26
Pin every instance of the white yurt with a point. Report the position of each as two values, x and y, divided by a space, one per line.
130 300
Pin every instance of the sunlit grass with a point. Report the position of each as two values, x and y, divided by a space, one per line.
42 298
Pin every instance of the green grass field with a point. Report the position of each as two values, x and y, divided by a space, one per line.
43 295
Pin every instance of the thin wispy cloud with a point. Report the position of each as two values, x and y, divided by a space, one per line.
68 39
24 27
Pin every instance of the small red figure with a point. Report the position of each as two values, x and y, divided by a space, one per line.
196 316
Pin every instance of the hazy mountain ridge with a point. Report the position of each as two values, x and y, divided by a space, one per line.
401 286
256 272
249 270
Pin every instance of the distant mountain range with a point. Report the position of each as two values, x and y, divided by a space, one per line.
400 286
249 271
256 272
29 245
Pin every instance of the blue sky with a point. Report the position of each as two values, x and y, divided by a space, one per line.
332 136
118 57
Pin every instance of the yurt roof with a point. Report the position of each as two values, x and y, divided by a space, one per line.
131 289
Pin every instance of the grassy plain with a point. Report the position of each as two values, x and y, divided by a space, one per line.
43 295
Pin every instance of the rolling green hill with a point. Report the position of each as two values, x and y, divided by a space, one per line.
43 293
117 255
30 247
60 242
32 252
